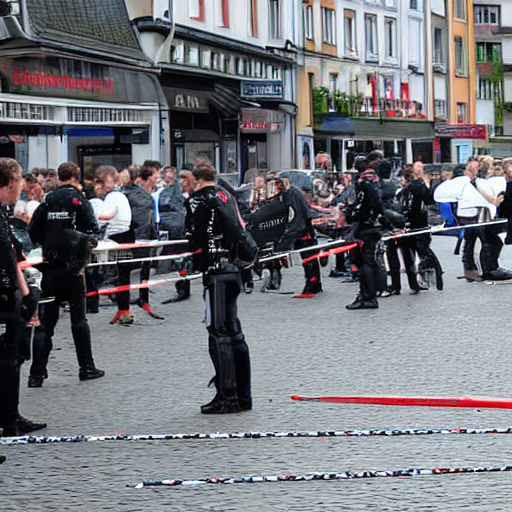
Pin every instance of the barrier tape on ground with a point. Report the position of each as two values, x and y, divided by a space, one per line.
81 438
331 475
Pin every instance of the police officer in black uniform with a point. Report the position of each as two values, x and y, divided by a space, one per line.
216 237
66 227
290 216
17 305
365 216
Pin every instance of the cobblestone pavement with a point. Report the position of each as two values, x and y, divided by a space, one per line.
450 343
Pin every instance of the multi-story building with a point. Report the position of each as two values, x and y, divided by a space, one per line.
454 80
228 71
364 79
70 91
493 32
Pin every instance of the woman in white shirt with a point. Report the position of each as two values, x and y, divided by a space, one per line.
116 210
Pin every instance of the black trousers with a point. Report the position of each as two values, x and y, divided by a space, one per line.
123 270
365 258
10 363
61 284
407 248
311 268
228 350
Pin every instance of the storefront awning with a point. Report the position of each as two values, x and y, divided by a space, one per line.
227 101
337 125
386 128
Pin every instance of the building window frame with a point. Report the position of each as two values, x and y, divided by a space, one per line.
461 113
252 18
222 13
459 9
196 10
487 15
329 26
350 39
370 38
460 56
274 19
390 25
438 50
309 32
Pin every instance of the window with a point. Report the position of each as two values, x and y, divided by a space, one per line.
253 18
460 57
192 56
196 10
460 9
461 113
487 15
274 19
390 24
440 108
415 42
413 4
350 32
487 90
488 52
371 37
333 87
308 21
329 26
438 57
222 13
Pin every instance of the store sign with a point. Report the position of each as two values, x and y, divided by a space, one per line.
57 77
262 89
187 100
260 120
461 131
22 77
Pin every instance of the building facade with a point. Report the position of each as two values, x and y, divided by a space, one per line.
228 71
72 92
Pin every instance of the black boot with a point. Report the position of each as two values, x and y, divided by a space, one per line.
360 303
22 426
90 373
183 289
221 405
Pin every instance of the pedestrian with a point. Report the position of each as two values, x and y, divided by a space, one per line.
117 212
143 227
17 306
216 235
65 226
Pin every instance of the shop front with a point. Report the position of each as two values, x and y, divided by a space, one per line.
54 109
458 142
401 141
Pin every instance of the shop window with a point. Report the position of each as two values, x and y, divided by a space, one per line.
196 10
350 32
308 21
329 26
370 24
487 15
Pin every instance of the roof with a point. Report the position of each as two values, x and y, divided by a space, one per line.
97 25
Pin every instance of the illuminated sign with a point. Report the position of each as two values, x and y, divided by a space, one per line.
46 80
262 89
461 131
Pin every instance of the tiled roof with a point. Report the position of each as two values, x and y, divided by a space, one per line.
96 24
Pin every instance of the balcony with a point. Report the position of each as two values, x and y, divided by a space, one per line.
359 106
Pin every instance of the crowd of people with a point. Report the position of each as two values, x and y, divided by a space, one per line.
224 228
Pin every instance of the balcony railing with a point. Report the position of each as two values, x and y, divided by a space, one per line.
359 106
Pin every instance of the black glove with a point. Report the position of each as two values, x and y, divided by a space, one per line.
29 304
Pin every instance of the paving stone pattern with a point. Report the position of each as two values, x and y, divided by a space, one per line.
450 343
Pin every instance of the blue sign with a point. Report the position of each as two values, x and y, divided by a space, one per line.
262 89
